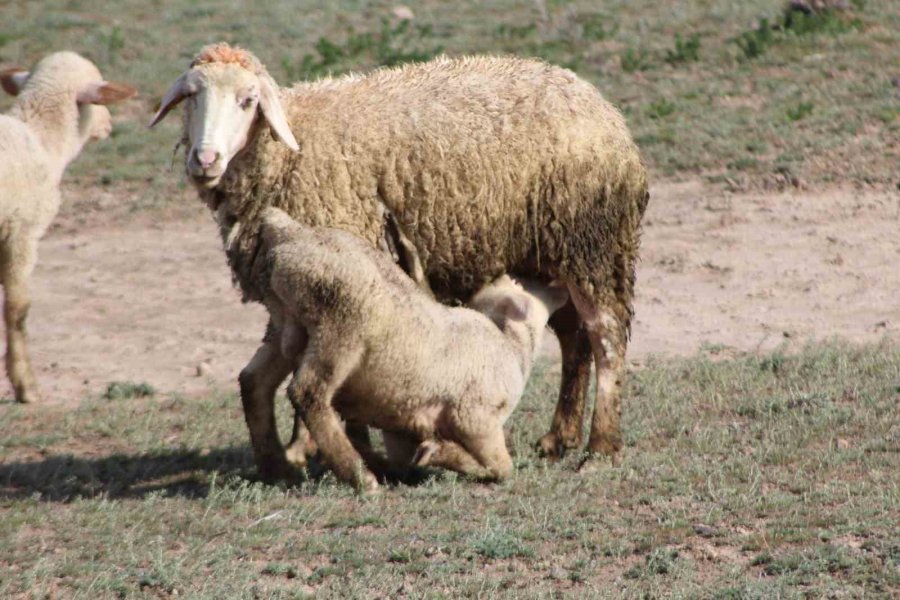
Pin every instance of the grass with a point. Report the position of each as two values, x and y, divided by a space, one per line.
754 63
751 477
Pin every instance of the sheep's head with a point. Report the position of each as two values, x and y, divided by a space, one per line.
226 88
70 78
505 300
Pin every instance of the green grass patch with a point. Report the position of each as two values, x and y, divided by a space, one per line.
733 69
759 476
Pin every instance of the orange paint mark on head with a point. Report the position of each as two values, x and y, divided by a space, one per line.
225 53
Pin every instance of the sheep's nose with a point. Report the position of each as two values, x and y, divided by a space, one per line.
207 157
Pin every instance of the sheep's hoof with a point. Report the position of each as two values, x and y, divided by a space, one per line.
424 453
592 462
553 446
608 444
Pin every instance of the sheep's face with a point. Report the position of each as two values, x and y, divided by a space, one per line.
222 102
505 300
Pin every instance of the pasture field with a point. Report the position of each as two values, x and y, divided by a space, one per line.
708 91
752 469
752 477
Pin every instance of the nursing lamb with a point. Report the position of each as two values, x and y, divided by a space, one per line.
368 345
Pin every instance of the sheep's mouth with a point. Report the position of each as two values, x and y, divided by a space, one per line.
206 181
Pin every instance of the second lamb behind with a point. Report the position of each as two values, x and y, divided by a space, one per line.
372 348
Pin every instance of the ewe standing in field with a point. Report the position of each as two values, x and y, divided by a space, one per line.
58 109
486 166
369 345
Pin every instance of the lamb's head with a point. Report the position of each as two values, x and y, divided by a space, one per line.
514 305
227 88
64 86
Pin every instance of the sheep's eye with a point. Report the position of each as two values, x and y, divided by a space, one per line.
247 103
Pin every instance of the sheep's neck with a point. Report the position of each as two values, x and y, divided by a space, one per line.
53 117
236 203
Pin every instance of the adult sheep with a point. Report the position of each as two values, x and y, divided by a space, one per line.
58 109
485 164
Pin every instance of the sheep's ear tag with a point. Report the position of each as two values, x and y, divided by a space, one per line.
13 80
515 308
105 92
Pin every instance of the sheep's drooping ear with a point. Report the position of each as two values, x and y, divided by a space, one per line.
515 308
105 92
274 113
176 94
13 80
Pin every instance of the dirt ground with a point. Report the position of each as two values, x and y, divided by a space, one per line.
148 298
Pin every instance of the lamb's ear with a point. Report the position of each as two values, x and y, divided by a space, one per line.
13 80
176 94
274 113
515 307
105 92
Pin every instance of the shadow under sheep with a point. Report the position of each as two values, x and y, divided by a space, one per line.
64 478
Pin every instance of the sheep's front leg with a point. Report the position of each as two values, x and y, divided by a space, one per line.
484 457
312 390
259 380
17 266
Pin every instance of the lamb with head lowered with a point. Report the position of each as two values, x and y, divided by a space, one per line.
370 346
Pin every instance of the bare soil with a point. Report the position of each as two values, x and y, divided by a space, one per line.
147 297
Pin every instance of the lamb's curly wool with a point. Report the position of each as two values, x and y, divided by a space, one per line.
55 114
387 355
489 165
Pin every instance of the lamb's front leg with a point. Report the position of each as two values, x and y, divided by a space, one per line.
312 390
17 264
259 380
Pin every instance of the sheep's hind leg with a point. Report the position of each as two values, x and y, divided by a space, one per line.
17 301
258 381
566 430
312 390
607 334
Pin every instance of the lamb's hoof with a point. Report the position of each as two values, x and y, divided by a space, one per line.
369 485
295 455
28 397
424 453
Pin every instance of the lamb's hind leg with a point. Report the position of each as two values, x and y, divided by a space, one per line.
568 420
17 264
483 457
259 380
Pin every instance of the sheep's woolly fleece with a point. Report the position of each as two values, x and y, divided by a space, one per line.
489 164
